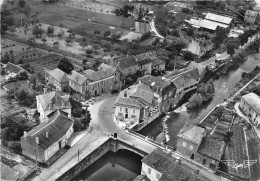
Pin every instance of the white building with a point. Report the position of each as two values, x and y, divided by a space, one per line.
250 104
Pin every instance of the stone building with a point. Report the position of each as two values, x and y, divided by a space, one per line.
58 78
46 139
252 17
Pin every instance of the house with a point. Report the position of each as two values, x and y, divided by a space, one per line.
126 66
157 63
77 83
160 165
46 139
193 142
179 83
101 81
136 105
50 102
11 68
162 87
250 104
144 62
200 47
58 78
117 75
252 17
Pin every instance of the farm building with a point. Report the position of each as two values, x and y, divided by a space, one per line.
252 17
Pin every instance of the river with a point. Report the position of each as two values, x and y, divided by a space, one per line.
177 120
120 166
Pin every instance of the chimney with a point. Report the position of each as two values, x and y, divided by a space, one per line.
25 134
47 134
44 90
37 140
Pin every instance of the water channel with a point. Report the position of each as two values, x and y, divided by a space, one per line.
177 120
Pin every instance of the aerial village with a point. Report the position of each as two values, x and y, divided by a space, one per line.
125 90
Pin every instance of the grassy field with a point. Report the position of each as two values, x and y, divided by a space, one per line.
86 15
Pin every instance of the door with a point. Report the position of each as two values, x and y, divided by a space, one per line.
192 157
95 92
204 162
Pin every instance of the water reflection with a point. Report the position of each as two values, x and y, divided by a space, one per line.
120 166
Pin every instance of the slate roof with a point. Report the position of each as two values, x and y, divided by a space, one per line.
212 148
178 81
98 75
157 61
219 18
253 100
155 82
126 62
168 167
193 134
13 68
57 126
139 95
77 77
57 101
58 74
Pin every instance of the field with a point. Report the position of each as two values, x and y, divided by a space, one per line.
48 62
236 150
55 9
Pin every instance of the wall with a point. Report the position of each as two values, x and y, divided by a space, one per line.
130 71
40 109
76 87
252 115
131 111
101 86
187 150
153 175
110 145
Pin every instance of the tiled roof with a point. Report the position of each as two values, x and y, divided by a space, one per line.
194 134
55 99
57 126
99 75
167 166
178 81
58 74
157 82
157 61
253 100
13 68
77 77
126 62
187 75
219 18
143 92
212 148
251 13
128 102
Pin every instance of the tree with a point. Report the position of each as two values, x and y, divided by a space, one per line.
37 31
31 41
3 71
65 65
21 3
4 28
44 40
50 30
195 100
9 20
68 40
241 14
23 76
232 45
95 47
106 33
89 50
24 96
228 135
221 35
5 58
116 36
188 56
190 31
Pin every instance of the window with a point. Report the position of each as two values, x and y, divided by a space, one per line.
149 170
191 147
133 111
184 144
126 110
120 109
133 116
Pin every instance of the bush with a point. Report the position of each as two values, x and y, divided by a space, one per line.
190 32
145 36
188 56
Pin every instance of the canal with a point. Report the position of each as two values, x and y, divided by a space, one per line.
176 120
120 166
